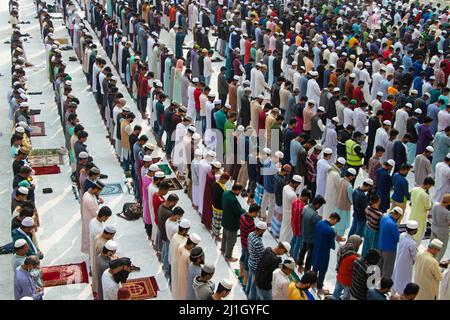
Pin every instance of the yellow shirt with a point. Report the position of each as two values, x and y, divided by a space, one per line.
353 41
295 294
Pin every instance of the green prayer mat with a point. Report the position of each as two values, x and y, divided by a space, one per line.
241 280
294 277
165 168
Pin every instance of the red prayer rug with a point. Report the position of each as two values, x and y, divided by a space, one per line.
142 288
38 129
39 171
65 274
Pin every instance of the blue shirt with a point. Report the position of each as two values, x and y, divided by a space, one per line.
294 148
401 188
433 111
407 63
374 294
360 203
389 234
268 171
24 285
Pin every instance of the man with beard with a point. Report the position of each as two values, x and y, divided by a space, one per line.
114 277
102 263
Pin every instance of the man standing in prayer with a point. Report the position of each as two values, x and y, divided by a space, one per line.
89 211
323 165
281 281
344 201
102 263
420 205
289 195
422 166
24 285
389 237
427 273
96 226
442 174
333 178
197 259
114 277
440 215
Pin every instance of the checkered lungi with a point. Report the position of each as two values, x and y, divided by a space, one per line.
276 221
259 194
216 221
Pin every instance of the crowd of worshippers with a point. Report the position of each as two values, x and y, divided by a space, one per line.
366 92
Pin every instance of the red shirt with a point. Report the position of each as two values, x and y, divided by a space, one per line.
388 108
345 271
197 94
296 218
358 95
157 201
143 87
219 15
262 120
172 14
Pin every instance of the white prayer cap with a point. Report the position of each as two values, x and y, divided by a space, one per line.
16 83
28 222
379 94
367 64
418 111
158 83
216 164
414 91
20 129
22 124
261 225
436 243
324 46
335 119
336 90
114 78
154 34
24 105
341 160
352 56
310 101
279 154
246 82
391 162
266 150
412 224
430 149
352 171
387 123
68 83
126 109
302 68
227 106
294 63
185 223
147 158
159 174
17 67
261 96
149 146
321 109
21 90
124 39
314 73
23 190
218 101
227 284
195 80
297 178
110 229
154 167
111 245
170 52
237 78
368 181
427 94
383 68
198 152
333 66
352 75
408 105
394 59
20 243
195 238
289 263
398 210
196 136
211 95
328 151
344 53
286 245
432 78
240 128
211 153
83 155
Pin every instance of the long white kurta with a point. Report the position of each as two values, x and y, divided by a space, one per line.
180 274
445 285
332 182
442 183
95 228
289 196
204 168
175 242
427 275
322 169
404 262
381 138
330 139
313 92
110 286
401 116
195 166
89 212
280 285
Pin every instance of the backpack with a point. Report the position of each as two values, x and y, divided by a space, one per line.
131 211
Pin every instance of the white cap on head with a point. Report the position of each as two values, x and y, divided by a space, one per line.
336 90
286 245
19 243
198 152
368 181
23 190
83 155
237 78
436 243
111 245
196 136
341 160
147 158
430 149
261 96
418 111
327 151
313 102
216 164
154 167
352 75
110 229
28 222
335 119
227 284
279 154
289 263
321 109
266 150
261 225
391 162
20 129
24 104
408 105
387 123
159 174
211 153
352 171
240 128
414 91
195 80
185 223
126 109
297 178
379 94
412 224
398 210
195 238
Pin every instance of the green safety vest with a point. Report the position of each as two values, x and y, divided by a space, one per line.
352 157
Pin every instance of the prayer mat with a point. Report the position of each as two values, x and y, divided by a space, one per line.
237 272
142 288
293 277
33 112
165 168
62 41
65 274
35 93
174 184
38 129
39 171
45 157
111 188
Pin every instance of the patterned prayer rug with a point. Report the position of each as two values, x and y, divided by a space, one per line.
174 184
39 171
111 188
294 277
165 168
65 274
38 129
142 288
44 157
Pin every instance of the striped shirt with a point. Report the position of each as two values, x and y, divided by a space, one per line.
373 217
255 250
359 288
246 225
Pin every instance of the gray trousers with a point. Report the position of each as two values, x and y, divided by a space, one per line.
228 241
388 263
444 239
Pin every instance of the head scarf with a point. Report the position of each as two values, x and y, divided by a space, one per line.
349 248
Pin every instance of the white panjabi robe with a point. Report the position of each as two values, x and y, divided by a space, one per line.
289 195
204 168
322 169
404 262
195 165
95 228
332 182
180 274
89 212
